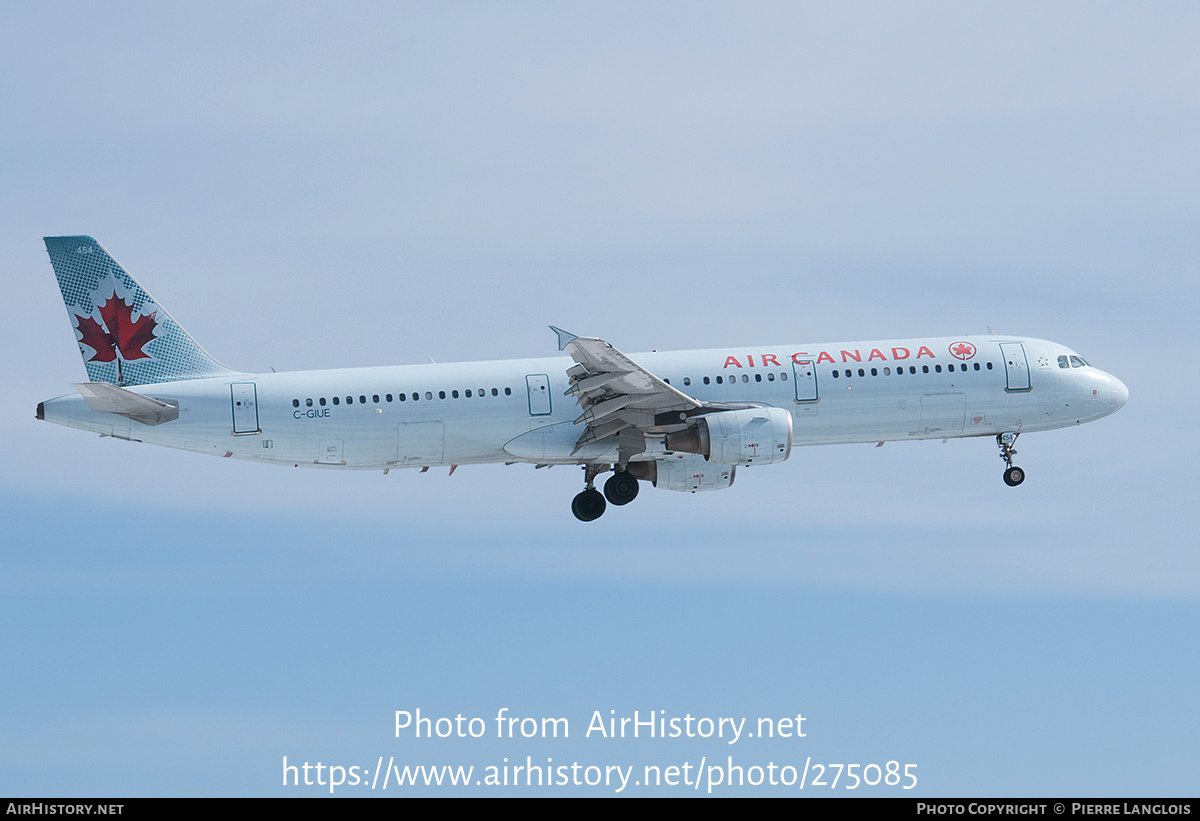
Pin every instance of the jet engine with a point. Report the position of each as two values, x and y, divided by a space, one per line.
688 474
755 436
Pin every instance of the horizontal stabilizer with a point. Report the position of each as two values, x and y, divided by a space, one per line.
105 398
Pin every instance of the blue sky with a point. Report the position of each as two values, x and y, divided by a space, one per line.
322 185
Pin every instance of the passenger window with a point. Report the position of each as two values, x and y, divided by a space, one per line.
322 401
441 394
687 380
336 401
937 368
771 376
706 380
453 394
308 403
507 391
428 394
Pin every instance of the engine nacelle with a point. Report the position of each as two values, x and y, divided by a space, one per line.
685 473
755 436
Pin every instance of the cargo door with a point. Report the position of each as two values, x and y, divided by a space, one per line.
421 443
330 452
942 413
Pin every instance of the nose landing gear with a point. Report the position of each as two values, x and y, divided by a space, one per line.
1013 476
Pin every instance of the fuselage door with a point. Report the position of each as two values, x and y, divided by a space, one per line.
538 385
421 443
244 398
805 377
330 452
1016 366
942 413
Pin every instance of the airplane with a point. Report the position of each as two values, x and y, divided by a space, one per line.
683 421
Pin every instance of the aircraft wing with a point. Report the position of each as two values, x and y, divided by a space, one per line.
617 394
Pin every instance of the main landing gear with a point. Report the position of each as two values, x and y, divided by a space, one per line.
588 505
620 489
1013 476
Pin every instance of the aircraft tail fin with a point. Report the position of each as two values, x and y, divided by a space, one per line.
124 336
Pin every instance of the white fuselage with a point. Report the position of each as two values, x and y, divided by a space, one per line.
516 410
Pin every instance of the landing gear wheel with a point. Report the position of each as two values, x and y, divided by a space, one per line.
621 488
588 505
1014 477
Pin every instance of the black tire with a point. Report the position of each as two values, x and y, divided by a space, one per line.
621 488
1014 476
588 506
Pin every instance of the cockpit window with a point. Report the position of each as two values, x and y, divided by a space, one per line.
1064 362
1077 362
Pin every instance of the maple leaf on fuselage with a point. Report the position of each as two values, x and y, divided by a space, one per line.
120 333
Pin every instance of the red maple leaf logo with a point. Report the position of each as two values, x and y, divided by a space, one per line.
120 334
962 350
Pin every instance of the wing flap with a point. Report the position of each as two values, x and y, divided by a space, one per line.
615 392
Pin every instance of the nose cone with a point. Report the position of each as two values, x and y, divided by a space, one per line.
1118 393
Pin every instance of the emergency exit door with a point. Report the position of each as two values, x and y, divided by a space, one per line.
538 386
804 375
